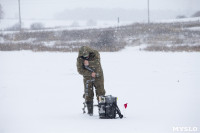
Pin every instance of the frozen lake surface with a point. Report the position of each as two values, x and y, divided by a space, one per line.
41 92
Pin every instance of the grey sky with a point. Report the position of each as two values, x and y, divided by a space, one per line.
48 8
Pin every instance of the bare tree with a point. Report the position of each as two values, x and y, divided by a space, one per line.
197 14
1 12
181 16
37 26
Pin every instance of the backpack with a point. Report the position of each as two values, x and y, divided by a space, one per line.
108 107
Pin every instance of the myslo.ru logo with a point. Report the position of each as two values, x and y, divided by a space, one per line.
185 129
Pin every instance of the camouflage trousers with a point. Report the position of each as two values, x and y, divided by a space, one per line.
98 84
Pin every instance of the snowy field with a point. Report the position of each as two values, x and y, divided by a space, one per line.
81 24
62 24
42 92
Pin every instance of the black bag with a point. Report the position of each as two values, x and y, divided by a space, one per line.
108 107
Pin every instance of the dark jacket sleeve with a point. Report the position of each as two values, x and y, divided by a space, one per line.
81 70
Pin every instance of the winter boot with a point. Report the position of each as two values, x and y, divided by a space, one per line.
90 107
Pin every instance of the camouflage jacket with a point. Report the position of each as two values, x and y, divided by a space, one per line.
94 62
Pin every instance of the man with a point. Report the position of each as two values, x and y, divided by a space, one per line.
90 58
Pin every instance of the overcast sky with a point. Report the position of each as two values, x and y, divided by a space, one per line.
48 8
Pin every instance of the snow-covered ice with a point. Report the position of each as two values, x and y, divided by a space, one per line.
41 92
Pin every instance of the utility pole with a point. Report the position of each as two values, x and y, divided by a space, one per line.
148 11
20 22
117 26
118 22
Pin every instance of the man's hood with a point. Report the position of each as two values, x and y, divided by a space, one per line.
85 51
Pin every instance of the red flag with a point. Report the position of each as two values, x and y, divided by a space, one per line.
125 105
